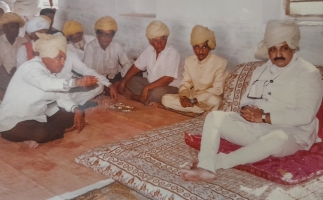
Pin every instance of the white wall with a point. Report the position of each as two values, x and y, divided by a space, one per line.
238 24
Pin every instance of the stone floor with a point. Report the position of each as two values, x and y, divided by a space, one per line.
50 170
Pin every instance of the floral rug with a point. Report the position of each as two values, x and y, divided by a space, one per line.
150 164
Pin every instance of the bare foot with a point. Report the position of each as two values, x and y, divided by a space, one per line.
31 144
156 105
128 94
197 175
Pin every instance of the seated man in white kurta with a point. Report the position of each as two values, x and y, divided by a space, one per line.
24 113
73 66
39 24
278 109
77 41
162 64
104 55
203 79
9 44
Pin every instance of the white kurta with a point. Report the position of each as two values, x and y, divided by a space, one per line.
31 90
22 54
8 52
80 52
107 62
292 98
167 64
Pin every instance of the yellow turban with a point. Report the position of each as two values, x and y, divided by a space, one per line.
106 23
277 32
156 29
201 34
9 17
71 27
50 45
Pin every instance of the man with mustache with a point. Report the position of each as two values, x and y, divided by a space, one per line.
278 109
203 79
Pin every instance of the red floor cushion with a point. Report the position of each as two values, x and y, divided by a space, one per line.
294 169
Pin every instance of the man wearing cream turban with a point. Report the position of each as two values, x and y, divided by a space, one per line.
26 112
9 44
278 110
73 31
104 55
4 8
204 75
162 63
39 24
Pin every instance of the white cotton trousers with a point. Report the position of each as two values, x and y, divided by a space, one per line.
258 141
211 102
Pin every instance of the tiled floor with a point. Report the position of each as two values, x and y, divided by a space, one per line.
50 169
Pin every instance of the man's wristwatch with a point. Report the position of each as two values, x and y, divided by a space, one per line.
263 117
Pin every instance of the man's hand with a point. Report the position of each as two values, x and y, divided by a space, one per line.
144 95
121 87
113 93
251 114
86 81
185 102
79 121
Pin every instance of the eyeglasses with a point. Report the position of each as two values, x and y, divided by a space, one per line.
105 35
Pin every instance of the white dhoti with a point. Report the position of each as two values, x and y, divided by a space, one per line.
209 102
259 141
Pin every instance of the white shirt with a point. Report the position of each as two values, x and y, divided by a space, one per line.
107 62
80 52
22 54
292 99
8 52
73 63
30 91
167 64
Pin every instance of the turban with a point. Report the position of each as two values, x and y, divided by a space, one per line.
4 7
9 17
277 32
36 24
106 23
71 27
156 29
201 34
50 45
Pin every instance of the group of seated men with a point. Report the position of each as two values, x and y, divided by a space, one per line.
55 78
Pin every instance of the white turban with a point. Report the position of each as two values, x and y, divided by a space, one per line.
4 7
156 29
9 17
277 32
36 24
50 45
106 23
201 34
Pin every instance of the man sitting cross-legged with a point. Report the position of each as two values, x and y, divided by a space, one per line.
278 109
25 113
203 79
162 64
9 44
106 56
77 41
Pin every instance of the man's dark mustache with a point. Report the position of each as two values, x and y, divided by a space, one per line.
279 58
